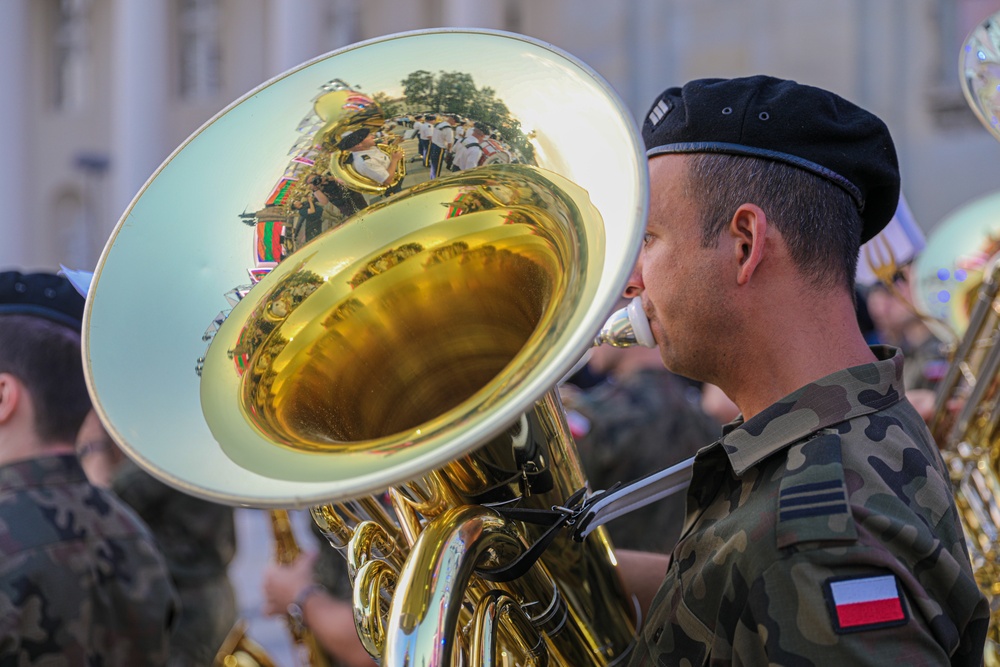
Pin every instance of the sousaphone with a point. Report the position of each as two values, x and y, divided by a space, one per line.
956 281
414 347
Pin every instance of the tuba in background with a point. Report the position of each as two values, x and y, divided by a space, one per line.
955 282
395 374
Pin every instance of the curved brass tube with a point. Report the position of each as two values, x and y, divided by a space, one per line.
436 576
368 537
373 577
492 610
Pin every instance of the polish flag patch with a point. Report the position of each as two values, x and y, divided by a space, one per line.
865 603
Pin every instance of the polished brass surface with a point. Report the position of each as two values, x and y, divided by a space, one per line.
433 325
411 346
970 440
495 612
191 243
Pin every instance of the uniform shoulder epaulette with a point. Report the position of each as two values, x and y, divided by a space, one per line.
812 500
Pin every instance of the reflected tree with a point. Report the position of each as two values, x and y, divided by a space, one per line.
418 88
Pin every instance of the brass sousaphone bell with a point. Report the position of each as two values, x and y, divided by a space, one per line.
431 327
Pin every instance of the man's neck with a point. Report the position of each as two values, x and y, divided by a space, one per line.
15 448
791 353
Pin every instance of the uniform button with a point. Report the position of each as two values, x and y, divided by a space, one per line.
656 635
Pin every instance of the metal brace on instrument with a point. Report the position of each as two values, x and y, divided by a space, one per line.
583 516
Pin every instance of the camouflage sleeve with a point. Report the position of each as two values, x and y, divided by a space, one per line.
812 609
80 578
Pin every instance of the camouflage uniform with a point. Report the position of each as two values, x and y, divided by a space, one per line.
81 580
198 540
642 422
839 482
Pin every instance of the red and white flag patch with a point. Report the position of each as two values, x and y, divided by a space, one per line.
865 603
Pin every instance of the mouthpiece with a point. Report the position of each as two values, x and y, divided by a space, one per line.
627 327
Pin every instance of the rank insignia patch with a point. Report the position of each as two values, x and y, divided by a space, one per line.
864 603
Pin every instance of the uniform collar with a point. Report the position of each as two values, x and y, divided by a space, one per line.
840 396
42 471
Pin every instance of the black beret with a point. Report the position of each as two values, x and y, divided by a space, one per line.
42 295
806 127
349 140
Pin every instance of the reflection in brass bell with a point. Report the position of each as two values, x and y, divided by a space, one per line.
210 246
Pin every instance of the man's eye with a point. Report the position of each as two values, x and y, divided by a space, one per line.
646 238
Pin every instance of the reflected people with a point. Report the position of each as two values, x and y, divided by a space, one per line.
373 162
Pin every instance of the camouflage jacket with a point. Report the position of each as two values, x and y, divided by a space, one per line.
823 531
634 425
81 580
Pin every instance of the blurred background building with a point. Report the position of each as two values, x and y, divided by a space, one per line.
99 92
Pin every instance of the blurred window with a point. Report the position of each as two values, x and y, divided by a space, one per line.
343 22
200 58
72 53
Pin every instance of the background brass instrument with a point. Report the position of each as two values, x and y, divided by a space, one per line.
955 281
238 650
414 348
286 550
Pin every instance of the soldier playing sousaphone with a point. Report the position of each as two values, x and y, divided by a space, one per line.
352 119
372 161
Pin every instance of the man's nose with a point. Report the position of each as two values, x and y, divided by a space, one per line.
635 286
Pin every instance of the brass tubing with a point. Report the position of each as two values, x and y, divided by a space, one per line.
409 519
374 581
945 391
370 537
423 622
286 550
495 611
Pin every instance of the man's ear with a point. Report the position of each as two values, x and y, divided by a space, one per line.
748 229
10 396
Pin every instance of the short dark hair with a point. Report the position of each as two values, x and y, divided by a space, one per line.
818 221
45 357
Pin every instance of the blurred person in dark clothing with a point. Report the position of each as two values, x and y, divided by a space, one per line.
197 539
641 418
